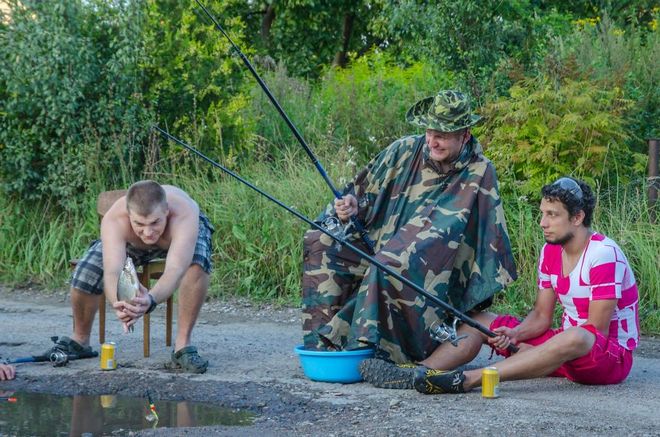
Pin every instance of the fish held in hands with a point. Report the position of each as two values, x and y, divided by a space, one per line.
128 286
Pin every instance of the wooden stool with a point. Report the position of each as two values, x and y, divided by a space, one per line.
152 270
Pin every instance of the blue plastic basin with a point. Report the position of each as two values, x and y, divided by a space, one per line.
339 366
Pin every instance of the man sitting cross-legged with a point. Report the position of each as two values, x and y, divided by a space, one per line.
591 278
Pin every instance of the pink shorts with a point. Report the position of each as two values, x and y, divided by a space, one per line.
607 363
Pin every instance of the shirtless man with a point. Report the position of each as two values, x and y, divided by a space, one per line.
151 221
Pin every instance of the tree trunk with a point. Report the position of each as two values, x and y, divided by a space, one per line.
267 23
341 57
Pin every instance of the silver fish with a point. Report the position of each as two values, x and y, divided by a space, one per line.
128 286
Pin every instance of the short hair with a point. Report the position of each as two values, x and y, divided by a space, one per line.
144 197
578 198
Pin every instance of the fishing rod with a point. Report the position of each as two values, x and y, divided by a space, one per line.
354 220
440 332
58 358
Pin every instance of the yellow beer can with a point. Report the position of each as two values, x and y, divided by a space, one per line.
108 401
108 361
490 383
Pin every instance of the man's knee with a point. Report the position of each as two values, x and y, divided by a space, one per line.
575 341
196 278
484 317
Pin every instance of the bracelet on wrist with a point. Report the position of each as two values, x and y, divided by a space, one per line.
152 304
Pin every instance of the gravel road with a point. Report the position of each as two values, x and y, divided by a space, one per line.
253 368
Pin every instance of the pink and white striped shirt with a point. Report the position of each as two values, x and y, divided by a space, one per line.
602 272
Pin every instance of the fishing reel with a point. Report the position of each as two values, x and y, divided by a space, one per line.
442 332
59 358
335 227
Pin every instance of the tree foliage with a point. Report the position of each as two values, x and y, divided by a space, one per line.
194 82
85 78
72 109
472 38
624 58
309 35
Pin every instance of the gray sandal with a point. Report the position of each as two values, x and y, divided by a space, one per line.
188 360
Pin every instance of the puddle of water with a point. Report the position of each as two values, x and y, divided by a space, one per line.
45 414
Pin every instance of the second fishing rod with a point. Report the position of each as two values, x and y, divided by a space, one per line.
357 224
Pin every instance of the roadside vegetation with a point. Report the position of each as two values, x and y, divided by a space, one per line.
565 91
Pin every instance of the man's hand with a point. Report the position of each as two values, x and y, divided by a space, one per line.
129 312
346 207
7 372
126 320
505 337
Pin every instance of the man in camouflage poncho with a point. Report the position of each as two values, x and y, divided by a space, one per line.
431 205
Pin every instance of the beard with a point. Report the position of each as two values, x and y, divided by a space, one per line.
561 240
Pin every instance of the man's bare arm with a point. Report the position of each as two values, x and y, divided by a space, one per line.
183 231
600 314
113 237
539 319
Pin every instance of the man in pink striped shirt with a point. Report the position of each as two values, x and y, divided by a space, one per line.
590 276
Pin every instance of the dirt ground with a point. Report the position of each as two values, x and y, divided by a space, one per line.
253 367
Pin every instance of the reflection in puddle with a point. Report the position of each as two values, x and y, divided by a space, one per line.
45 414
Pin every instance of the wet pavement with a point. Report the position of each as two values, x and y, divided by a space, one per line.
47 414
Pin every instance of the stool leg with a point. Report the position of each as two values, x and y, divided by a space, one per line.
144 280
168 322
102 318
146 333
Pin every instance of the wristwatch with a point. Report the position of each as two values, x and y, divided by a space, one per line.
152 304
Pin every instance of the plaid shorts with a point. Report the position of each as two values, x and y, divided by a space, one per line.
88 274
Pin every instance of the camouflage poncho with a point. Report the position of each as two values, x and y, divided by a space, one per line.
445 232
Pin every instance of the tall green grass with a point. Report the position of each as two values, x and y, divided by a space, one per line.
363 105
258 245
36 244
623 215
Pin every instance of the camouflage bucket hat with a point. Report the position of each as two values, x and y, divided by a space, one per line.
448 111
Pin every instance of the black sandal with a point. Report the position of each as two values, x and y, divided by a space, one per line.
68 346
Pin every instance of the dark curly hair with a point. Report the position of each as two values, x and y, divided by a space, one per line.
573 199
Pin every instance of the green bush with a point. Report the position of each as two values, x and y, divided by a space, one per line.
72 111
193 82
546 130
